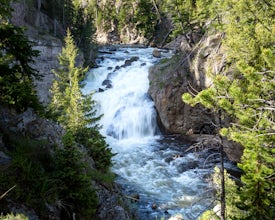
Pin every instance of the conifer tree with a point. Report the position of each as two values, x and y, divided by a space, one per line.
67 101
247 96
16 55
75 111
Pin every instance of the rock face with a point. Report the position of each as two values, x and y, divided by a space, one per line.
109 207
49 48
30 124
188 71
38 28
168 81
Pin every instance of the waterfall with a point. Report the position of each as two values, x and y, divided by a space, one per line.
122 79
146 163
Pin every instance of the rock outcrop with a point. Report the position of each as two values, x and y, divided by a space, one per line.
188 71
169 80
45 35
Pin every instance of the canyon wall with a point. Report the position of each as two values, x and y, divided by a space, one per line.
189 70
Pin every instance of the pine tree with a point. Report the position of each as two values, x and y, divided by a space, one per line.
16 73
67 100
248 97
75 111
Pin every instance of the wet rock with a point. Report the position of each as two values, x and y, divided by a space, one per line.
156 53
188 165
101 90
117 67
130 61
109 68
111 75
133 59
154 206
109 86
143 64
107 83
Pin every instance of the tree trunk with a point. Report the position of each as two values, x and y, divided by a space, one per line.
223 201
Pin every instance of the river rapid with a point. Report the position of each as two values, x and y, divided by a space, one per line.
153 167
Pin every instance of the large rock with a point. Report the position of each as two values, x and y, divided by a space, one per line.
112 205
167 84
188 71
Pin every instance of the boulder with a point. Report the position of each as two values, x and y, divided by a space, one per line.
112 205
167 84
130 61
156 53
107 83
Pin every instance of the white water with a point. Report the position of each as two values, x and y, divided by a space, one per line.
144 162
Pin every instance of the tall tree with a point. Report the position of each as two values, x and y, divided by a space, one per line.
247 95
67 101
75 111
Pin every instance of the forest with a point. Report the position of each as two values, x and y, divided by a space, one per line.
244 92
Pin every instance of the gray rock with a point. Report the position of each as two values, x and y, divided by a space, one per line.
156 53
109 207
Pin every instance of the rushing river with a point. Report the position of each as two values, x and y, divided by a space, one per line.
156 168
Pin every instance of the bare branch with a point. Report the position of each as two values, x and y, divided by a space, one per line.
4 194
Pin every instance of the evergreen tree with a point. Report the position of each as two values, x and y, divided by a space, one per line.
145 18
67 101
75 111
188 16
16 73
247 95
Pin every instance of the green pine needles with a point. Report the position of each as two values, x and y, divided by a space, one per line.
248 97
75 113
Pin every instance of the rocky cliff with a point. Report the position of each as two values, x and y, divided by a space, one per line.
189 71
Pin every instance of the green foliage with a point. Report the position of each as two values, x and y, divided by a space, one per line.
96 146
79 19
44 177
209 214
14 217
16 74
5 10
75 111
140 16
247 96
145 18
30 171
68 104
73 178
188 16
